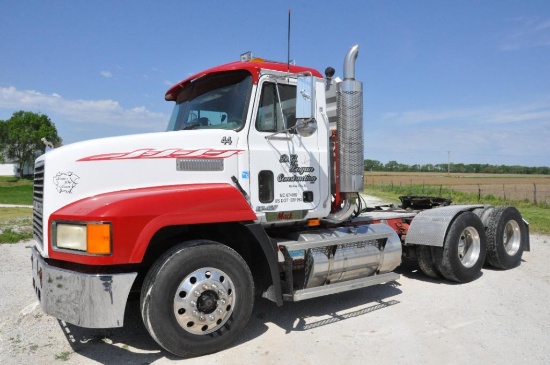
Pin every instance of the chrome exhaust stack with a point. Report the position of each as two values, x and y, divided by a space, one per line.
349 94
350 127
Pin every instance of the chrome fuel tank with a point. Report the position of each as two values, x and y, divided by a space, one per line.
350 253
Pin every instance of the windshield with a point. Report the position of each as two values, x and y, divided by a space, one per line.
217 101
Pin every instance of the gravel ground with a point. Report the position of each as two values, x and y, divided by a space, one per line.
501 317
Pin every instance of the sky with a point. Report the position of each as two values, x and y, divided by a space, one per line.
469 80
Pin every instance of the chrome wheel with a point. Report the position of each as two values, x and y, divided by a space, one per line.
511 237
204 301
469 247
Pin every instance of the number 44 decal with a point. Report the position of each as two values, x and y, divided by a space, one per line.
226 140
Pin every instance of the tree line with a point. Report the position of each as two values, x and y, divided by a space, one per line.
394 166
24 137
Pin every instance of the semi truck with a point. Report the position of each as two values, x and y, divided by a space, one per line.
254 190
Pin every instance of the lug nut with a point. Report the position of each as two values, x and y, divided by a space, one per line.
204 287
197 293
193 304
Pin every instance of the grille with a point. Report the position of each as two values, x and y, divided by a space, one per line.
38 203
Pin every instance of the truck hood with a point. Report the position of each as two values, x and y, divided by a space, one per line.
89 168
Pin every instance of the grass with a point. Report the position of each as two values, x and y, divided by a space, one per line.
15 191
15 224
538 216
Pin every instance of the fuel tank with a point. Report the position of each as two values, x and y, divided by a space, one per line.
348 253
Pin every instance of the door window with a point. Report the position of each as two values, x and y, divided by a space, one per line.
277 109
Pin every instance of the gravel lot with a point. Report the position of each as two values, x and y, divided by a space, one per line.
502 317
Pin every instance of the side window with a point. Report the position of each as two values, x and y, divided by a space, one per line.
277 109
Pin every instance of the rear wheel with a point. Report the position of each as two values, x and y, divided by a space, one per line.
197 298
505 237
426 262
463 253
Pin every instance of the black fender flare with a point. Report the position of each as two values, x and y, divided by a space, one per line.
270 251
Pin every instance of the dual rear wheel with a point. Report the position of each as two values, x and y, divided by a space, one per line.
470 243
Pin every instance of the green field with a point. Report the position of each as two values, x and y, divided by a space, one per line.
15 191
15 224
471 189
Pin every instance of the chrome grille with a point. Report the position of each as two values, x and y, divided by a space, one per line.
38 203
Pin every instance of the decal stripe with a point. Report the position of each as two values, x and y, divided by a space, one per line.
149 153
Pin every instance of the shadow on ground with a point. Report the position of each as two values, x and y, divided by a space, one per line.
132 344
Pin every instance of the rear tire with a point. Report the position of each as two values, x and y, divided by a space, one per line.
506 235
463 253
197 298
426 262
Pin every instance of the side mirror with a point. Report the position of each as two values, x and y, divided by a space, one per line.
305 97
306 127
306 124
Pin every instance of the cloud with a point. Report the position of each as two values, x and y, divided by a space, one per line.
106 74
499 134
82 111
528 33
491 114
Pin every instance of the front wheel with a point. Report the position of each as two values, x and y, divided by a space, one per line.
463 253
197 298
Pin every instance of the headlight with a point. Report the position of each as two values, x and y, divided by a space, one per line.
91 238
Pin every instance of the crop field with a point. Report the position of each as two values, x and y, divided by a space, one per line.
532 188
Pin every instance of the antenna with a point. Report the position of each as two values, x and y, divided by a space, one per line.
288 44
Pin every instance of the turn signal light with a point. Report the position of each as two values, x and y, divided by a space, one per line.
99 239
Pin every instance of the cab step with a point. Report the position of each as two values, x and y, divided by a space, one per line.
343 286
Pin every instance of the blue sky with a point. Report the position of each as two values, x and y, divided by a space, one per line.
470 77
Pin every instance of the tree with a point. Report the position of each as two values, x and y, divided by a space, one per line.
391 165
373 165
22 134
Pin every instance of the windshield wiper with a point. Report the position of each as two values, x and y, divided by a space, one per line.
191 126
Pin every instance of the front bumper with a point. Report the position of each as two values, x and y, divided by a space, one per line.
85 300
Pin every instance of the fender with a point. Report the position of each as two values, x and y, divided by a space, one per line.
430 226
137 214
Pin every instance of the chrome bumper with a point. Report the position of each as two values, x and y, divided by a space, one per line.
85 300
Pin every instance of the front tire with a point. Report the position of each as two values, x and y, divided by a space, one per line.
197 298
463 253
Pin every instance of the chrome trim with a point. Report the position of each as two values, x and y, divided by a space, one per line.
349 63
429 227
346 211
85 300
340 287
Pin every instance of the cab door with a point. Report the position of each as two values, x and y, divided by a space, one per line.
284 166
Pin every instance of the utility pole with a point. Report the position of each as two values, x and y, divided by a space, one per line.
448 162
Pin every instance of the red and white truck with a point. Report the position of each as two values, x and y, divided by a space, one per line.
254 189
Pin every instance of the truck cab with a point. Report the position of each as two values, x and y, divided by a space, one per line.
283 173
